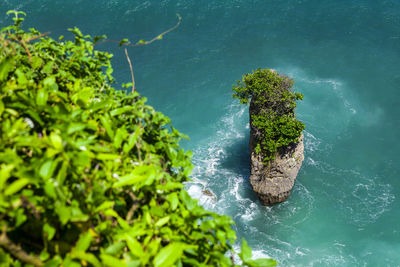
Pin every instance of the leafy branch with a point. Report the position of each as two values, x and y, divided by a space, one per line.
125 42
93 175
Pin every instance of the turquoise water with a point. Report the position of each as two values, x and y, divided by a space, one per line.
344 55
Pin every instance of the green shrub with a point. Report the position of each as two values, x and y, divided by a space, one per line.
90 175
272 107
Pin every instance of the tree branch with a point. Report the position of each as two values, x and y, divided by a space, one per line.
17 251
142 42
37 36
159 37
130 67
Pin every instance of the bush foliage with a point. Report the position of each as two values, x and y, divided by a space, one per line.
90 175
272 107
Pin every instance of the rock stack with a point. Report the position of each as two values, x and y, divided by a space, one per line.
272 182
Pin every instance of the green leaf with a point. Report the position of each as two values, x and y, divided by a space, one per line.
36 62
50 83
22 81
140 174
162 221
5 172
115 248
41 97
77 215
262 263
20 217
111 261
98 38
68 262
49 230
55 262
129 179
169 255
75 127
50 189
105 205
47 169
62 173
132 140
16 186
120 111
119 137
48 68
63 213
84 242
123 42
188 200
83 96
44 255
56 141
15 12
134 246
11 111
121 221
173 198
245 254
1 107
107 156
78 254
6 67
106 121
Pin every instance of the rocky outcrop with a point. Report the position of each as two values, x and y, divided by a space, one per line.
273 182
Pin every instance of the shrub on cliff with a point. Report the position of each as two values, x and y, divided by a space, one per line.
90 175
271 110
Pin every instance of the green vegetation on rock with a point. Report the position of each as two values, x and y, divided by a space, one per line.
272 104
90 175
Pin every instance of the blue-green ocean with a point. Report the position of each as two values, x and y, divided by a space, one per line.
344 55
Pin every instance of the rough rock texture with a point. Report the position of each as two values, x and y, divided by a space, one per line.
273 182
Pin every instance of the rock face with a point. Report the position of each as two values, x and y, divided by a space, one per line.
273 182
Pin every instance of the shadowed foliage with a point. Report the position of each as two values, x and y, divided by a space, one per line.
90 175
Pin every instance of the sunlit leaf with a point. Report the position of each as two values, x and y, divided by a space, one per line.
16 186
83 242
169 255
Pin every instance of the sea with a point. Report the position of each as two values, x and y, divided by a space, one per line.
344 56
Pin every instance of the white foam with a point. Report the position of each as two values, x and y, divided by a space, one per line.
208 159
235 190
250 212
259 254
311 142
196 192
139 7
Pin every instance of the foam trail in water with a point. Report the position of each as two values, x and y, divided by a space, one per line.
208 159
222 166
233 191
